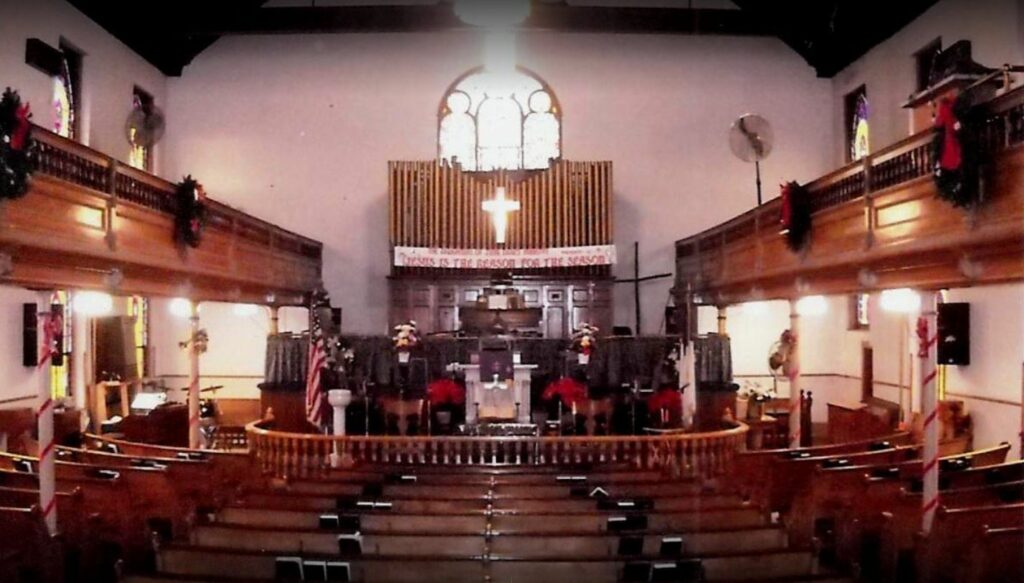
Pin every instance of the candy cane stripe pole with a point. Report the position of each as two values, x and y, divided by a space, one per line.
47 470
794 377
193 387
927 336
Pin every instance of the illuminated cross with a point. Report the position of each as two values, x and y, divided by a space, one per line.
499 208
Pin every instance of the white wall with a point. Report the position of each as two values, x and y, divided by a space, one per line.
298 130
236 351
20 384
994 28
991 386
110 70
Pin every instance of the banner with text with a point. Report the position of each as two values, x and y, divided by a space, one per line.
504 258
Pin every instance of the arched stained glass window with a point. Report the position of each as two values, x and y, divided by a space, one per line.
491 121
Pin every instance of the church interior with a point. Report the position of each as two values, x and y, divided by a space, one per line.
502 291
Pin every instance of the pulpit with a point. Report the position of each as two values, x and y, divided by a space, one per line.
497 398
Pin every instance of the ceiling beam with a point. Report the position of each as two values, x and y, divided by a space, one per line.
441 17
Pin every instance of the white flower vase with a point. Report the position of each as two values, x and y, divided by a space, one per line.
403 357
742 407
583 359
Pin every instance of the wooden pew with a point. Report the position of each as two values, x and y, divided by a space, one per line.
509 521
232 469
753 470
956 529
133 503
30 554
207 562
834 489
996 557
792 477
196 480
444 544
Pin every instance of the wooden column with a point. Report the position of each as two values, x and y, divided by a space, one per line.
794 376
193 387
927 355
723 329
275 321
47 451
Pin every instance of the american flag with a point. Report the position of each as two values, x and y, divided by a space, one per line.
314 394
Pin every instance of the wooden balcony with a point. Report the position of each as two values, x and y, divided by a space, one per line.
877 223
90 221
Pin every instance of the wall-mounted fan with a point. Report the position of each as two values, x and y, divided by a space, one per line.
750 139
780 356
145 126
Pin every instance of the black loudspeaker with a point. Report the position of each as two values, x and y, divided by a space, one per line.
954 344
30 335
115 348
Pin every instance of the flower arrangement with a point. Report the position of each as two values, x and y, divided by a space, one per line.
570 391
755 392
584 339
407 336
445 392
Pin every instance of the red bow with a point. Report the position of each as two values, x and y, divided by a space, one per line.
21 128
922 337
786 218
53 332
947 123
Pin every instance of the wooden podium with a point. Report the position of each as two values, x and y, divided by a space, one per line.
498 400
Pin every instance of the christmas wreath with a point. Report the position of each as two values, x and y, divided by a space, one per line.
956 165
190 212
795 217
17 148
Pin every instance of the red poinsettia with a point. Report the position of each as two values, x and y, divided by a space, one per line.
666 398
570 391
445 392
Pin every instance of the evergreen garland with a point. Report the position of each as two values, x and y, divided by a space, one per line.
190 212
17 148
796 215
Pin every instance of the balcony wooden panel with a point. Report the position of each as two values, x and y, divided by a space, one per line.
879 217
87 215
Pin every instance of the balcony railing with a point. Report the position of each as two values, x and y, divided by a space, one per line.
77 164
289 455
741 249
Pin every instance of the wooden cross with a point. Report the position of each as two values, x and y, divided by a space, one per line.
499 208
636 280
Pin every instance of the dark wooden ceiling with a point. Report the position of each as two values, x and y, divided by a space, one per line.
828 34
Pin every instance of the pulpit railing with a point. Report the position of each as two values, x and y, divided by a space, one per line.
294 455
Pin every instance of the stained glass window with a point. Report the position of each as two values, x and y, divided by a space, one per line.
63 111
66 84
139 156
859 133
60 376
492 121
